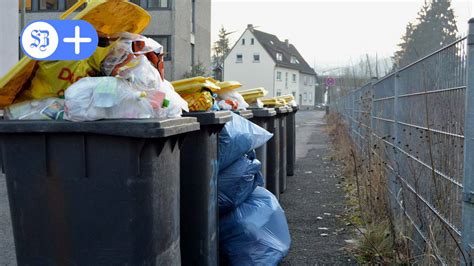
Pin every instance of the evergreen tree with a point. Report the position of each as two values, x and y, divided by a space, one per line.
221 47
435 27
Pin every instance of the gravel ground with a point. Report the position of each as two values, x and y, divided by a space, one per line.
313 201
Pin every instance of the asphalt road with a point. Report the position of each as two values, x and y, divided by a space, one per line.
313 202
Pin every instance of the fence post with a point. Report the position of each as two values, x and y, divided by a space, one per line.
372 106
393 186
468 182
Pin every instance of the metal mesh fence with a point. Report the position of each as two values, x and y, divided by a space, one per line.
413 120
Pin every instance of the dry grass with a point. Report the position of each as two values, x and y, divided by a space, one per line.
369 206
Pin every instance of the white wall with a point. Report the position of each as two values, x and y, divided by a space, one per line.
287 86
307 90
249 73
9 31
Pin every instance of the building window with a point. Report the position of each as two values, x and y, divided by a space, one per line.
48 4
70 3
256 58
310 96
286 80
240 58
294 60
305 97
279 75
158 4
243 41
279 57
305 80
193 16
294 94
278 93
27 5
252 41
193 63
294 78
165 41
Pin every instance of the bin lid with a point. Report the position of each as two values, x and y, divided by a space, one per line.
281 110
245 113
210 117
107 16
144 128
194 85
227 86
263 112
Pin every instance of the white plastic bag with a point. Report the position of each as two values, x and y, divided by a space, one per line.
223 105
236 97
174 103
98 98
141 73
45 109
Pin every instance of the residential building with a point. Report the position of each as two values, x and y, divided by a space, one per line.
260 59
9 29
181 26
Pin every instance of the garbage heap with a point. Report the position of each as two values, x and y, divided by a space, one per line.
208 94
123 79
252 225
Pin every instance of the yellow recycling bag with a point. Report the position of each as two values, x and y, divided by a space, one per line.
53 77
108 17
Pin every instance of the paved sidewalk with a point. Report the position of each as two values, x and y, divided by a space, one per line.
314 201
7 247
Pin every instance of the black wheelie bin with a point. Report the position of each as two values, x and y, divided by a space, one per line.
262 117
199 210
291 141
95 193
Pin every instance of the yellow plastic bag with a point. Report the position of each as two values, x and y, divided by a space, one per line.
201 101
53 77
108 17
195 85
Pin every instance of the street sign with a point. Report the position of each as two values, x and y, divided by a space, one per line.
330 81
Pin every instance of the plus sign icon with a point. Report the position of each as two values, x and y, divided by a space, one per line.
59 40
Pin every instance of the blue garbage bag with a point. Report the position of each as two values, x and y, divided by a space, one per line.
238 181
256 232
238 137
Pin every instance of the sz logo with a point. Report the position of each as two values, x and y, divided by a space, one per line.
59 40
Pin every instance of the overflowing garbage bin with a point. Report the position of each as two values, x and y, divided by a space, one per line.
282 113
262 117
245 113
104 192
199 169
291 141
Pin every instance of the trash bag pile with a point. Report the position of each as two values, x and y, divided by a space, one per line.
204 94
122 80
252 225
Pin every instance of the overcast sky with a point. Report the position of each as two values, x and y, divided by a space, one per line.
329 33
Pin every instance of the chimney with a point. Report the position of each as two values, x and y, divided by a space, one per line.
250 26
287 43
